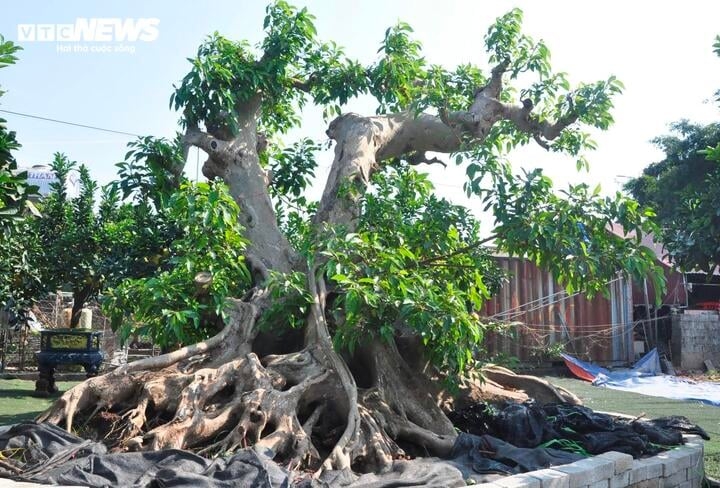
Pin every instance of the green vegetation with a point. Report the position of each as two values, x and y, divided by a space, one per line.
65 239
416 260
16 269
684 189
169 306
154 231
342 281
14 190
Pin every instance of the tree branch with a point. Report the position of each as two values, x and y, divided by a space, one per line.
485 110
304 85
362 143
541 130
258 270
416 158
234 158
457 252
204 141
494 86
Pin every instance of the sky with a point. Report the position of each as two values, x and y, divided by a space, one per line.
660 50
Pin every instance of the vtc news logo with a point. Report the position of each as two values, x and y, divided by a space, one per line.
92 30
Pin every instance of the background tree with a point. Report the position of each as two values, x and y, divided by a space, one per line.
68 237
136 229
684 190
17 270
14 190
341 391
85 249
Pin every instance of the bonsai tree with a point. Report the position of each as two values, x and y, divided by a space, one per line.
364 308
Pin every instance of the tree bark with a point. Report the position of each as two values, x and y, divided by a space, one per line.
306 407
80 298
234 159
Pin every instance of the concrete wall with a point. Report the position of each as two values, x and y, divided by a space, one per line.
681 467
695 338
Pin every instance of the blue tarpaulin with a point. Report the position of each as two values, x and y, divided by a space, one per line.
646 378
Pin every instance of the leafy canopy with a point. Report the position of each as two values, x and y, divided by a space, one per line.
14 190
17 270
66 240
415 261
68 229
288 66
413 264
166 305
684 190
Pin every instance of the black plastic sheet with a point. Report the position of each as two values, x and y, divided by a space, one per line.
515 439
45 453
531 425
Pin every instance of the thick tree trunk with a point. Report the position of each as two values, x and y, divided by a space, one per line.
80 298
312 407
235 160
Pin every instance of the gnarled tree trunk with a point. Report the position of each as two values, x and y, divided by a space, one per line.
311 407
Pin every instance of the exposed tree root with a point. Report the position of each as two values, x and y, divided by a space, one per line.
535 387
304 408
198 397
410 393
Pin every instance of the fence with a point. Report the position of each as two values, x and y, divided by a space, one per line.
542 318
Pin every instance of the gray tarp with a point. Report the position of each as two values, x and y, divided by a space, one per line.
51 455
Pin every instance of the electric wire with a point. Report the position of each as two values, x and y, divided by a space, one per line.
65 122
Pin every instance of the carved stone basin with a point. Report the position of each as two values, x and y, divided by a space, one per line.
66 346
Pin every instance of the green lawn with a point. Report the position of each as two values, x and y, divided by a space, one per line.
605 399
17 402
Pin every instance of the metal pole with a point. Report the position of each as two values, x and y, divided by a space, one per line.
3 345
647 312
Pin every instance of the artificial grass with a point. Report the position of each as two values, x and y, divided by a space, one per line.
17 403
607 400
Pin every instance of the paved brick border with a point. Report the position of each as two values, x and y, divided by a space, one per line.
680 467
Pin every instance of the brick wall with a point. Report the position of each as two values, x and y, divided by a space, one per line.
695 338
